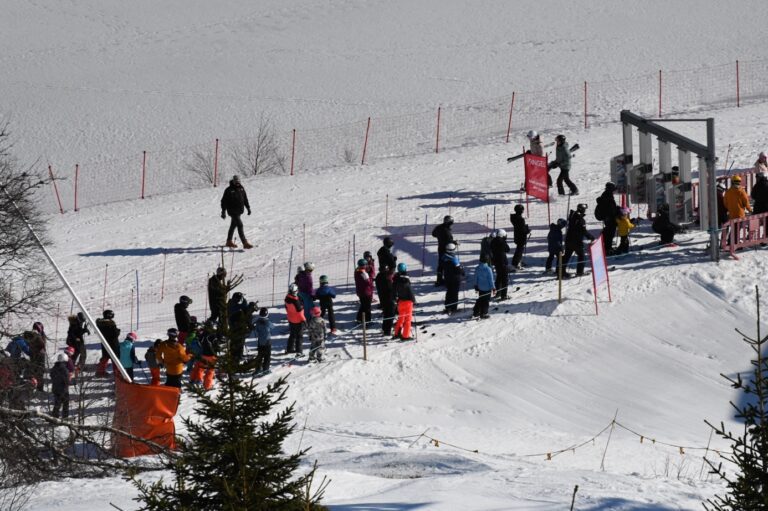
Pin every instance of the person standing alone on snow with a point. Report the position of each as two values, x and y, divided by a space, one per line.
563 162
233 203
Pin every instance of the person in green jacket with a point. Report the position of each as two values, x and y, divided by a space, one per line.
563 162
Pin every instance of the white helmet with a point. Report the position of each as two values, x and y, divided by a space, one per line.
493 234
450 247
61 357
309 266
293 288
501 233
532 134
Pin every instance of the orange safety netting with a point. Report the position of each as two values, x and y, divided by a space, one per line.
147 412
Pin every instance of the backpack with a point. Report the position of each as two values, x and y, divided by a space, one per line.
599 213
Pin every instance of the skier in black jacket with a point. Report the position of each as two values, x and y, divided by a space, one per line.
183 319
574 240
609 210
385 290
760 194
233 203
60 386
385 255
499 251
444 236
521 232
217 293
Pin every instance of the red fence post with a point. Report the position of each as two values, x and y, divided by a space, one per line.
77 174
659 92
143 172
216 164
509 124
55 189
293 149
365 144
437 139
738 91
585 105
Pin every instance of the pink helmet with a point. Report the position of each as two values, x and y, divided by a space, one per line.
316 311
132 336
69 350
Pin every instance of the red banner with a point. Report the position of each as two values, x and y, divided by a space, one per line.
536 184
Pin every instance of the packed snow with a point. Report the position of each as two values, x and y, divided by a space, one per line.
467 416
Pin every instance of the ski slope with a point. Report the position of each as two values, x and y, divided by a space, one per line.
102 79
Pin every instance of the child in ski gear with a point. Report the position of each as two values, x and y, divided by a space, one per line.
623 226
69 351
316 336
574 240
192 345
150 357
499 251
111 333
364 290
736 200
233 203
183 319
485 245
536 147
521 233
405 302
386 258
563 161
554 243
127 353
663 226
326 294
173 356
263 327
240 313
444 236
217 293
370 266
484 285
452 273
608 212
385 290
204 370
296 320
60 386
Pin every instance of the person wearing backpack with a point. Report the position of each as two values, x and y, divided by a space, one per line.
607 211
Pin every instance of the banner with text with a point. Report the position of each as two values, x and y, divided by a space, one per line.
536 184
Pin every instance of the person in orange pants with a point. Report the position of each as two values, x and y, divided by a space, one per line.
205 366
151 358
405 303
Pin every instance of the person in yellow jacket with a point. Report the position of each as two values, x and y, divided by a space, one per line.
623 226
736 200
173 355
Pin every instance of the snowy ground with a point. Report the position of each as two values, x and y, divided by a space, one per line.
537 377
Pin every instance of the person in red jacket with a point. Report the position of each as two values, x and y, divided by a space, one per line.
364 289
296 320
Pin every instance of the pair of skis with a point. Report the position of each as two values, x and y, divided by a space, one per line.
574 148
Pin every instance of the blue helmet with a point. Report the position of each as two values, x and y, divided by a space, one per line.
402 268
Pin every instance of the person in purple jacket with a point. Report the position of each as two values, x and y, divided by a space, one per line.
364 289
306 286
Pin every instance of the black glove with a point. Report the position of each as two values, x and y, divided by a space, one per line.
477 289
249 211
552 165
223 215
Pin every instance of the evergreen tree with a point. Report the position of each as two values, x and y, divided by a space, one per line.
748 488
232 458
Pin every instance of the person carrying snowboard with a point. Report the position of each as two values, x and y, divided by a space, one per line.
574 240
233 203
521 234
563 162
316 328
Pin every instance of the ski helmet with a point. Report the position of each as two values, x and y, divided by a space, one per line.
61 357
237 297
323 279
221 272
450 248
388 242
736 179
561 222
560 138
367 254
402 268
532 134
519 208
361 263
610 186
264 312
235 178
131 336
185 300
172 333
763 156
293 288
69 350
448 219
494 233
501 233
581 208
316 311
309 266
108 314
38 327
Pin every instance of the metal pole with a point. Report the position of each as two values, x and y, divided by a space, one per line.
75 298
714 247
138 299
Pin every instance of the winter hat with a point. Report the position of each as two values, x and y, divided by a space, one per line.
561 222
361 263
624 211
316 311
235 178
388 242
61 357
263 312
323 279
131 336
69 350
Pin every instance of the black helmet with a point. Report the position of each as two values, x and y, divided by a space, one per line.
221 271
610 186
388 242
108 314
519 208
185 300
448 219
367 254
561 222
560 138
237 296
172 332
581 208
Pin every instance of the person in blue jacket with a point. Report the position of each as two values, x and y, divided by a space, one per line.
326 294
485 285
128 353
554 243
263 328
